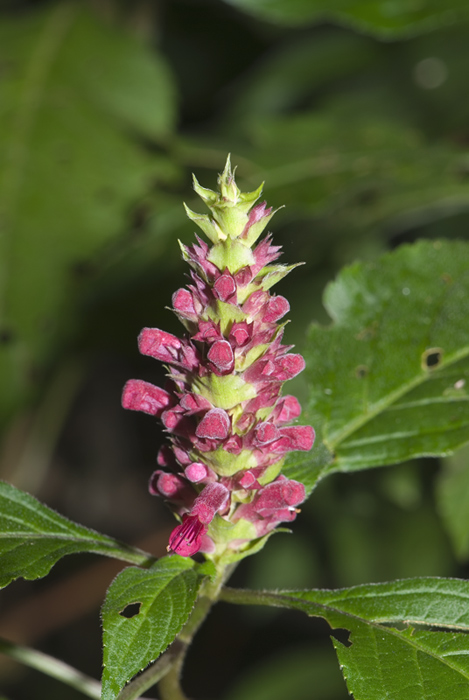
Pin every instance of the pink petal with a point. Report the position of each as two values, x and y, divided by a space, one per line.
215 425
186 539
225 287
221 355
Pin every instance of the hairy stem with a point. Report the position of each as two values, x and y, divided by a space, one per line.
52 667
153 673
170 685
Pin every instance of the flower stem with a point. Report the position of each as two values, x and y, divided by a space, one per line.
170 685
154 673
52 667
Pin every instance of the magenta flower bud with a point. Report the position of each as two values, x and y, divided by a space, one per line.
275 309
215 425
159 344
281 493
264 254
181 455
301 437
208 332
287 409
255 303
142 396
194 403
221 356
240 334
288 366
225 287
245 422
196 471
183 304
243 276
176 422
213 498
170 486
265 433
234 445
249 481
229 425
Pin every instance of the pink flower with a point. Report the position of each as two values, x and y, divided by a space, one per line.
228 425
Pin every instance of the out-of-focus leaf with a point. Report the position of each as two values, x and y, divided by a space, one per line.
143 612
363 171
379 17
386 656
292 73
76 95
292 674
399 391
452 495
33 538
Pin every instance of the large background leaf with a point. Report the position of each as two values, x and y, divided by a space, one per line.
33 538
385 655
378 17
384 401
165 595
74 94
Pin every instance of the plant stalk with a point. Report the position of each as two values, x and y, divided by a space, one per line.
52 667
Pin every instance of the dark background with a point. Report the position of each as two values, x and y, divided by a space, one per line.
358 121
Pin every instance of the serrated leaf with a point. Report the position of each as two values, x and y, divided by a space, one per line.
76 95
381 660
33 538
165 594
378 17
400 390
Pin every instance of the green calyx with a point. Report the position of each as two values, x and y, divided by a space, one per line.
229 209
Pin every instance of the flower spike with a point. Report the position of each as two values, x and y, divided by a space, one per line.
229 427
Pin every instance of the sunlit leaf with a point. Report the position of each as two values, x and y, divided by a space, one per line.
399 391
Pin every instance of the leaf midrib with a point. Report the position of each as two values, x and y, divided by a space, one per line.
340 436
283 601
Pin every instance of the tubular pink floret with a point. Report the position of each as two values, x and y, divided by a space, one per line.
186 539
142 396
229 427
158 344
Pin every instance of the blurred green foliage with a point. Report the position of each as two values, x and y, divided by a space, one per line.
356 115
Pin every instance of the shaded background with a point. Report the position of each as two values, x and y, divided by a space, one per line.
356 115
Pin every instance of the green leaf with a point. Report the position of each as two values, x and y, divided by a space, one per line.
379 17
162 598
33 538
77 97
382 660
452 495
360 169
399 392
